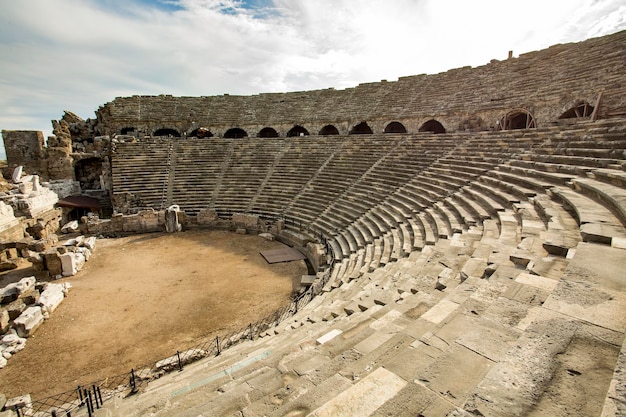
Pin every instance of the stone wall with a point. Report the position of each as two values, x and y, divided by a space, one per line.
25 148
546 83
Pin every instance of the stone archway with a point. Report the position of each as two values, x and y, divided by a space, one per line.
235 133
127 131
518 119
432 126
166 132
361 129
267 132
201 132
581 109
395 127
297 131
328 130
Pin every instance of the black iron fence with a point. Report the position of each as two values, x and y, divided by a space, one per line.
91 397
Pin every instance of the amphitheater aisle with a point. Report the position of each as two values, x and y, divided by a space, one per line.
486 281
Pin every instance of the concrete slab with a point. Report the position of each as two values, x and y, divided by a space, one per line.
363 398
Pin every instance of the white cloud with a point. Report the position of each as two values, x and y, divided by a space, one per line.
79 54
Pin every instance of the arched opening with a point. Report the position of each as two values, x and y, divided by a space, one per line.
582 109
432 126
517 119
127 131
201 132
395 127
166 132
297 131
88 172
268 132
361 129
329 130
235 133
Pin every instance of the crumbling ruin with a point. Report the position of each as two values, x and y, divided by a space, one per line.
471 225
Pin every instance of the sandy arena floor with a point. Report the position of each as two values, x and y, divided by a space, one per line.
141 298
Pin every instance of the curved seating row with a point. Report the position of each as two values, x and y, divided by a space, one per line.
453 290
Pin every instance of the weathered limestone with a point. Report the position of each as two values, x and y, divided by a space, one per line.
71 263
17 174
51 297
70 227
28 321
207 217
171 219
23 403
90 243
245 221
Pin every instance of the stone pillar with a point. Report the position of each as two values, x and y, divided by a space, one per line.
171 219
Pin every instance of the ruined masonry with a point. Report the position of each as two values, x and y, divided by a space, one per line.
467 231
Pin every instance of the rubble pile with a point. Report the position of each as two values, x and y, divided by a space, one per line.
24 305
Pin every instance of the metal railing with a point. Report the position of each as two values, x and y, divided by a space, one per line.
92 397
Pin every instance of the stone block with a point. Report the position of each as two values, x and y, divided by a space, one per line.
90 243
15 308
12 343
71 263
267 236
51 297
17 174
70 227
9 293
31 297
22 403
328 336
4 320
207 216
52 262
85 252
25 284
28 321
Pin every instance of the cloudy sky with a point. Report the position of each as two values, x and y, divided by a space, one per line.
75 55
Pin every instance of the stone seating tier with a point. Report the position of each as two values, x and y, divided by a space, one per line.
445 288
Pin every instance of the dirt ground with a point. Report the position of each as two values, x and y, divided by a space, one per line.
139 299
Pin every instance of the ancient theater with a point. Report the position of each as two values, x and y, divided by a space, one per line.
464 235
